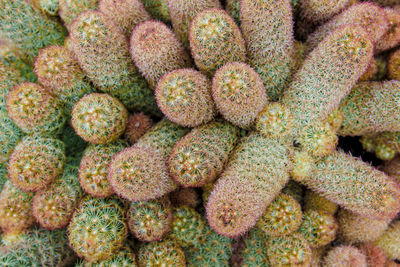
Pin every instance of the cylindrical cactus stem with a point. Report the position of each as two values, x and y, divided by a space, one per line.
138 124
10 135
375 255
389 241
125 14
161 253
184 96
392 36
59 72
102 51
328 75
93 169
156 51
158 9
182 13
70 9
34 110
345 255
357 229
371 107
255 174
198 158
238 93
140 172
15 209
267 27
36 162
215 40
355 185
28 28
369 16
150 220
319 11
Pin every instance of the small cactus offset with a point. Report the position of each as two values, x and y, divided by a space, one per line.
391 38
163 253
314 201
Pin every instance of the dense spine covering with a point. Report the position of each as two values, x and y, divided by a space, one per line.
102 51
59 72
394 65
70 9
255 174
93 169
10 134
320 11
162 253
198 158
184 96
36 162
267 27
138 124
156 51
282 217
294 190
355 185
371 107
215 40
392 36
392 168
99 118
97 229
150 220
124 257
15 209
345 255
182 13
28 28
9 77
255 250
35 110
3 175
328 75
158 9
125 14
314 201
357 229
238 93
369 16
233 9
389 241
140 172
375 255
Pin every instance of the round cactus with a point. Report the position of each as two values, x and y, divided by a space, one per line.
314 201
124 257
319 228
255 249
239 93
184 96
164 253
93 169
70 9
15 209
345 256
282 217
394 65
36 162
389 241
156 51
34 110
215 40
302 165
97 229
138 124
150 220
49 7
99 118
10 134
392 36
375 255
199 157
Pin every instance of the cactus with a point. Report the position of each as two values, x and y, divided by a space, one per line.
314 201
375 255
36 162
345 256
93 169
392 168
302 165
394 65
233 9
164 253
184 96
391 38
3 175
319 228
255 174
255 249
371 107
389 241
99 118
291 250
140 172
282 217
369 16
156 51
103 53
320 11
124 257
59 72
97 229
182 13
267 27
74 145
138 124
70 9
150 220
53 207
15 209
34 110
215 40
294 190
10 135
355 185
158 9
238 93
185 197
199 157
28 28
125 14
9 77
327 75
48 7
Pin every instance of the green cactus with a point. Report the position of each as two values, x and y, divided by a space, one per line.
233 9
345 255
74 145
36 162
48 7
70 9
3 175
158 9
124 257
184 96
10 135
255 249
389 241
161 254
198 158
215 40
9 77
